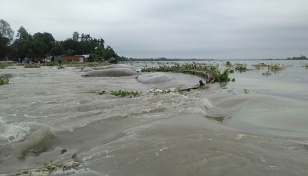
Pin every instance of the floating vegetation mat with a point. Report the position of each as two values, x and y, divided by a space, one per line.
155 91
129 94
209 72
61 67
3 65
51 168
4 80
119 93
32 65
271 68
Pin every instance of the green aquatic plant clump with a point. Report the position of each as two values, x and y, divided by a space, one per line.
271 67
129 94
240 67
260 66
51 168
4 80
276 67
32 65
209 72
120 93
60 67
3 65
228 64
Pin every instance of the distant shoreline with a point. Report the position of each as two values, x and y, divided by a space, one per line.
170 60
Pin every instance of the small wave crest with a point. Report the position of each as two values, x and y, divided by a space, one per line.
18 139
12 132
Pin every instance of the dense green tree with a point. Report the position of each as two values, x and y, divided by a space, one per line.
5 30
75 36
3 46
70 44
22 46
57 49
22 34
6 36
109 53
44 42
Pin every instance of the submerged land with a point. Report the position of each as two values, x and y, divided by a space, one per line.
247 117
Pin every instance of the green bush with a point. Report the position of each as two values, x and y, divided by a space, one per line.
3 65
4 80
32 65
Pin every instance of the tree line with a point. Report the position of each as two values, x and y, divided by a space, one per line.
40 45
297 58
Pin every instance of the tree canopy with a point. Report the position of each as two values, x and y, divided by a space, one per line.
6 36
42 44
5 30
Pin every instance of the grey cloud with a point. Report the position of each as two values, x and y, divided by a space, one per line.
173 28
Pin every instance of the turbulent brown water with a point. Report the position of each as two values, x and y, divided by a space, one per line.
45 110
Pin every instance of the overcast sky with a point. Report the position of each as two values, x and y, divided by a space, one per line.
243 29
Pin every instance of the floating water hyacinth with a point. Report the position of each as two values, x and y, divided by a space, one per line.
240 67
273 67
4 80
209 72
61 67
119 93
32 65
129 94
49 168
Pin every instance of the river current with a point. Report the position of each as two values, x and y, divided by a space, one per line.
220 130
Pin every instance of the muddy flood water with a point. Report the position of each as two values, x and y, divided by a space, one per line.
217 131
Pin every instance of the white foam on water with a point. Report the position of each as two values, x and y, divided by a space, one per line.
12 132
18 139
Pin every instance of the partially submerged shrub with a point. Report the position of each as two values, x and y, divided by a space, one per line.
276 67
4 80
3 65
51 168
51 63
260 66
240 67
32 65
271 68
228 64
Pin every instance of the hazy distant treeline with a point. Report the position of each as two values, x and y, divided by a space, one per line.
297 58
